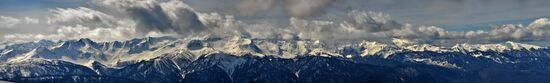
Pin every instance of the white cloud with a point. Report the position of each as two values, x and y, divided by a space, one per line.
80 15
8 22
79 31
13 22
29 20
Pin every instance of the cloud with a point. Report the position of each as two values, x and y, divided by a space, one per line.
126 19
374 26
82 16
11 22
80 31
294 8
301 8
265 8
82 22
143 18
363 25
29 20
251 7
538 30
355 25
8 22
152 15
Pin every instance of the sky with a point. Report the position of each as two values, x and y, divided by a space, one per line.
471 21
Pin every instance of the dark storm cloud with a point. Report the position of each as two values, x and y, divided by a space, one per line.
151 15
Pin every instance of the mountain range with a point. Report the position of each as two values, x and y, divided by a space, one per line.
238 60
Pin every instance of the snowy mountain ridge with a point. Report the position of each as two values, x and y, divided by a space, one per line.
168 59
83 51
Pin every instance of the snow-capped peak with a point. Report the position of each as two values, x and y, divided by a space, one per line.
495 47
520 46
371 48
413 46
402 42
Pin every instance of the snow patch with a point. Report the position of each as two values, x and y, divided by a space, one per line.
436 63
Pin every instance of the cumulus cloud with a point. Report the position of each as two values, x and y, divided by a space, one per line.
537 30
